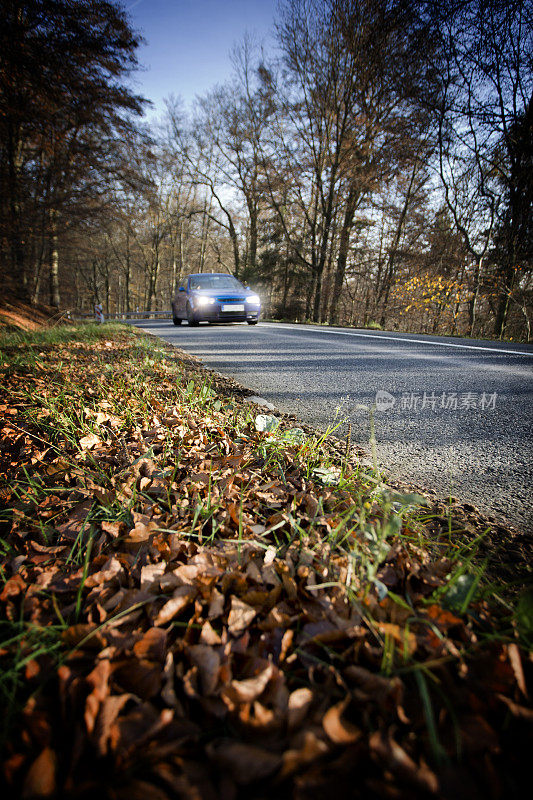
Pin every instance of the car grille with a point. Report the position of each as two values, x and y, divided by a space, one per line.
230 299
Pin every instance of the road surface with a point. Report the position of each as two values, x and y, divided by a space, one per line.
454 415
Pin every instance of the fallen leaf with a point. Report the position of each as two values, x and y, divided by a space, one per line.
394 758
182 597
308 753
516 663
114 529
110 708
141 532
249 689
89 441
209 635
405 638
245 762
98 680
111 569
340 731
40 779
240 616
216 604
266 423
208 662
299 703
152 646
141 677
13 587
150 576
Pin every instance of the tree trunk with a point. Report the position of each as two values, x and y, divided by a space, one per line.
389 273
351 205
53 263
319 271
253 215
152 285
13 158
503 304
127 277
472 305
205 231
235 245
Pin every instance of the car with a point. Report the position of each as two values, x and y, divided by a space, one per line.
214 297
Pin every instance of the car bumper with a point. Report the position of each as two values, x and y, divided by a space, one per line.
216 315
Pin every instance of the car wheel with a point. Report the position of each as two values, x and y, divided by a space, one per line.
191 320
177 320
252 321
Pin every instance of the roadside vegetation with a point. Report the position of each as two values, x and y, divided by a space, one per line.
370 165
202 599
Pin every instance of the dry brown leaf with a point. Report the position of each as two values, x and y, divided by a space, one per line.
133 728
207 660
141 532
253 572
517 710
477 735
152 646
114 529
151 575
394 758
312 749
270 555
244 762
376 688
76 521
182 597
111 569
75 634
141 677
40 779
110 708
299 703
442 617
257 529
209 635
13 587
249 689
311 505
286 643
340 731
138 789
404 637
189 573
98 679
240 616
89 441
516 663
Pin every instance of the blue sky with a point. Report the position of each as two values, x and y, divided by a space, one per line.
188 42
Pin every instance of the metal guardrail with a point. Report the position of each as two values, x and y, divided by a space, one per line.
125 315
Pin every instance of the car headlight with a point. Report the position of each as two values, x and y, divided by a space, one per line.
203 300
254 300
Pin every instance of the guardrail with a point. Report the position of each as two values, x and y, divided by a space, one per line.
125 315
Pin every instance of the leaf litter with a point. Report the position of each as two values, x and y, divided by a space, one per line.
197 603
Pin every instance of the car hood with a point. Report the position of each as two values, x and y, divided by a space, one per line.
223 292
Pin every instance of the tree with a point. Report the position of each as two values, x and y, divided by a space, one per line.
350 118
485 132
63 112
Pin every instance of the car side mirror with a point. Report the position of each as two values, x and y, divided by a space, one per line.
181 289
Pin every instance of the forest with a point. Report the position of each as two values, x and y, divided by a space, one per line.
375 169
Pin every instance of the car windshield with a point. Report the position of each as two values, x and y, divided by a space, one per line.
215 282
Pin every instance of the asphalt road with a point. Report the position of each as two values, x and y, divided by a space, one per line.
454 415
